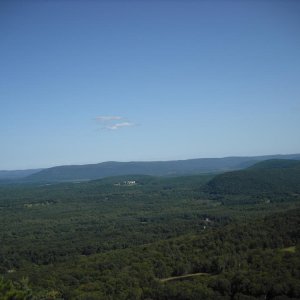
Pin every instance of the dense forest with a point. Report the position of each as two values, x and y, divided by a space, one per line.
228 236
268 181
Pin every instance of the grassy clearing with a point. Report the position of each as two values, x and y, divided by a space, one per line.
291 249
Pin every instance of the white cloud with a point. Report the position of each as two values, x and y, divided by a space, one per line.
108 118
111 122
119 125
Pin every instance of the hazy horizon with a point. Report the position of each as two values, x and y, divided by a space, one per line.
162 160
87 82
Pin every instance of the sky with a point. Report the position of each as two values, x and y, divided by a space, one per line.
92 81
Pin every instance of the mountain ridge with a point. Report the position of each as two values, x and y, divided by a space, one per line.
14 174
153 168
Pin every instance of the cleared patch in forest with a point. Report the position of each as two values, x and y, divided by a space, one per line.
183 276
291 249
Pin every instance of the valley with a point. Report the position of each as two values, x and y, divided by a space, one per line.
156 238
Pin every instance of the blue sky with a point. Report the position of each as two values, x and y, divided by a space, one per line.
91 81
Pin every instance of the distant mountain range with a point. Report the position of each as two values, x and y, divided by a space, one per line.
16 174
154 168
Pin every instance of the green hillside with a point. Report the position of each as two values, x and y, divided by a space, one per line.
276 164
272 179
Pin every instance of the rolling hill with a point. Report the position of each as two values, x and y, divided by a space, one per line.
154 168
16 174
271 177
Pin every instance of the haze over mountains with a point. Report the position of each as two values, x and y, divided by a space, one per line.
154 168
15 174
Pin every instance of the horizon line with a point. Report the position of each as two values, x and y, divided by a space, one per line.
137 161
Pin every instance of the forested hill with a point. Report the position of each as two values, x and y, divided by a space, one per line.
269 177
154 168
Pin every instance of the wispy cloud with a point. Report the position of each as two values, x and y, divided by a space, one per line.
119 125
108 118
111 122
